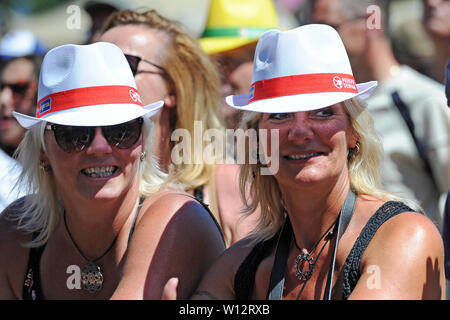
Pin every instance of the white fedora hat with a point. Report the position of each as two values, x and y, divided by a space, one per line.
302 69
87 85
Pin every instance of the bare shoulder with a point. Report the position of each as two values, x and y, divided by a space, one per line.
411 229
170 202
407 256
9 233
14 254
174 236
173 211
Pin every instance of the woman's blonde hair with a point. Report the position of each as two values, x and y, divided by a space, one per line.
195 83
40 212
363 166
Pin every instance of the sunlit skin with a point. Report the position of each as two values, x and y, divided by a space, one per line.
325 135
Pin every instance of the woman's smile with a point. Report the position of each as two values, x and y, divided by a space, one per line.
100 171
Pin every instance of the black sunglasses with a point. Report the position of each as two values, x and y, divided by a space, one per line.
133 61
17 88
77 138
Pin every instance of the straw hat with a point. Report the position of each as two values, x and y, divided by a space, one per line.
87 85
302 69
234 23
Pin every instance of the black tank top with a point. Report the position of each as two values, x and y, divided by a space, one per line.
245 276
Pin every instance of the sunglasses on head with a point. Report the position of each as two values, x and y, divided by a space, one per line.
133 61
77 138
17 88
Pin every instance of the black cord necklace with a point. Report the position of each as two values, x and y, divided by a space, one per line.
306 257
277 276
91 274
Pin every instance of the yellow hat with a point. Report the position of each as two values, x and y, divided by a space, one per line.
234 23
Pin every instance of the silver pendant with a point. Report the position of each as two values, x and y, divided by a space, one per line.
304 275
91 277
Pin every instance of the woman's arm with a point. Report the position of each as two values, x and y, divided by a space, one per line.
176 237
13 255
218 282
404 260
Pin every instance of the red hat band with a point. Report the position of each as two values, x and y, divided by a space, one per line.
302 84
88 96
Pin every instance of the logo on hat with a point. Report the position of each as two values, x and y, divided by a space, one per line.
135 96
252 92
337 81
45 106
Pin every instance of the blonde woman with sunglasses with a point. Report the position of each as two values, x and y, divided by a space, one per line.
97 224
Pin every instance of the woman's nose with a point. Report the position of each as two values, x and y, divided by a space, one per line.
300 128
6 101
99 144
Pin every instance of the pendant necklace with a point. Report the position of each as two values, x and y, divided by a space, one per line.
277 277
91 274
307 257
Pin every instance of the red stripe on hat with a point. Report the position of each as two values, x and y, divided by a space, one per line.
89 96
301 84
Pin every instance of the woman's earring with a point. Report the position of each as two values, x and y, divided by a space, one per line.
353 152
44 167
143 155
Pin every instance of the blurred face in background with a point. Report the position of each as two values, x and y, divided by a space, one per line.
152 81
436 17
149 45
18 93
351 31
235 68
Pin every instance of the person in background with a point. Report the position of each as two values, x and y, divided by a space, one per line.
21 53
168 65
98 223
328 230
19 81
437 24
409 109
20 43
232 29
98 11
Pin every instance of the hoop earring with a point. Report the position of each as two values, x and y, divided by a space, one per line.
143 155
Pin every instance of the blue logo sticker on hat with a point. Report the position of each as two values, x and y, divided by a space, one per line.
45 106
252 92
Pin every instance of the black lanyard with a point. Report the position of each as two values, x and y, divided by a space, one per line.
279 266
